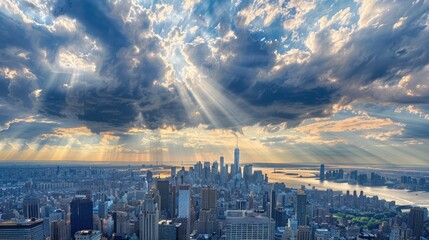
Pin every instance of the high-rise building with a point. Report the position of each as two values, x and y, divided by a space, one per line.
322 172
31 207
163 187
248 171
304 233
59 230
53 216
87 235
148 218
301 208
168 230
80 214
173 202
185 206
184 201
207 223
22 229
416 221
209 197
280 217
273 203
121 222
242 224
103 209
236 159
183 229
215 170
222 162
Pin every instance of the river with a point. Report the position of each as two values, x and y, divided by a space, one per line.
309 180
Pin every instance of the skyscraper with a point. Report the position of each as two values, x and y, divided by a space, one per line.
416 221
222 162
30 207
273 203
322 172
301 208
148 218
121 222
185 207
22 229
209 197
59 230
207 223
81 214
102 209
236 159
184 201
163 187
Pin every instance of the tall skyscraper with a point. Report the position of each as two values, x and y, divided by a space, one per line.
242 224
148 218
222 162
121 222
209 197
185 207
207 223
163 187
301 208
184 201
81 214
322 172
416 221
273 203
22 229
31 207
236 159
59 230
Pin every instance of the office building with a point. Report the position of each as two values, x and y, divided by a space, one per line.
304 233
59 230
103 207
243 224
87 235
163 187
148 218
209 197
322 172
80 214
121 222
168 230
236 159
22 229
31 207
185 206
301 208
416 221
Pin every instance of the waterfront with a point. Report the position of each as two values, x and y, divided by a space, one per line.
309 180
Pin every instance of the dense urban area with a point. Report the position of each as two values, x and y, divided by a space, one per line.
203 201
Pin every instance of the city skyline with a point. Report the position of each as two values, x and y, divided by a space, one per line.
184 81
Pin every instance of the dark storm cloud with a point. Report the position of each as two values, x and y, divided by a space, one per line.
130 87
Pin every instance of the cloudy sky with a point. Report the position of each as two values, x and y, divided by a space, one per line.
178 81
